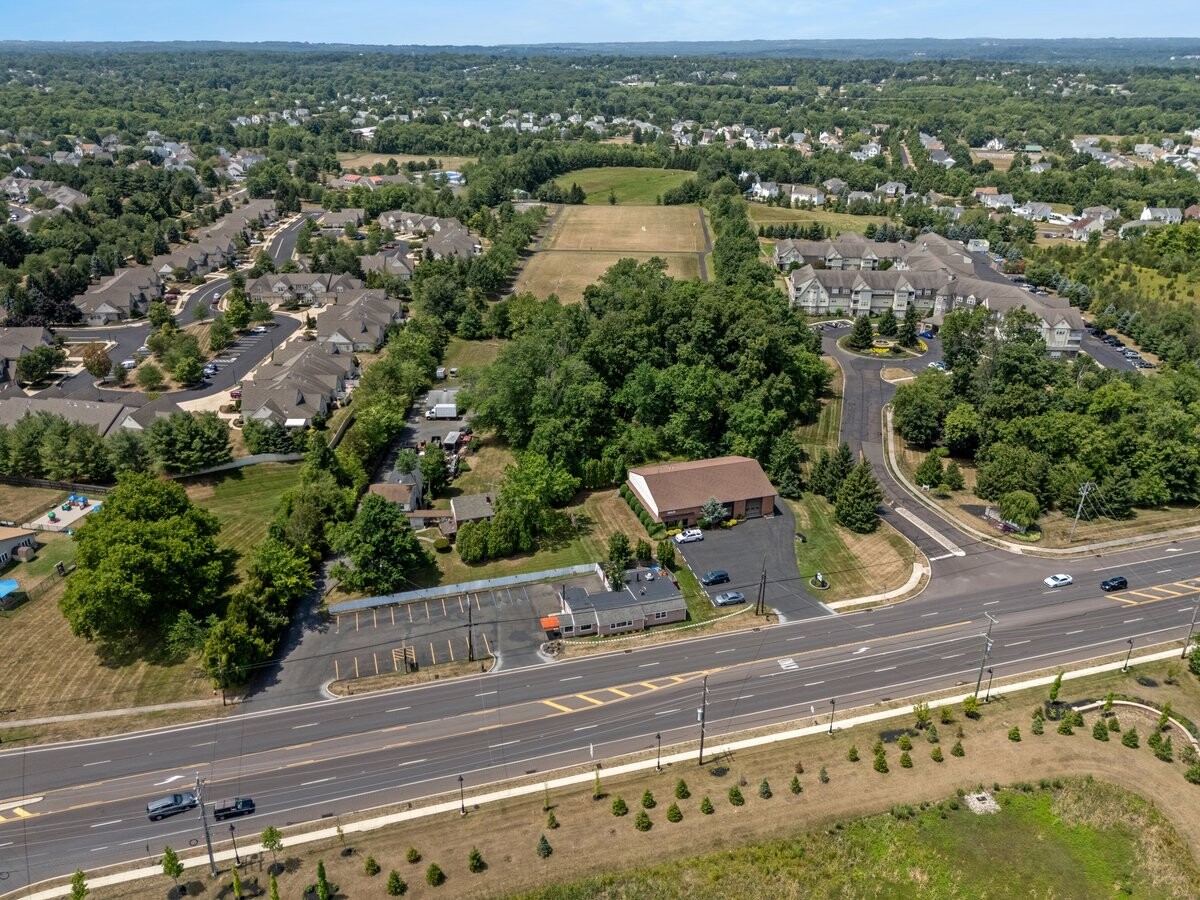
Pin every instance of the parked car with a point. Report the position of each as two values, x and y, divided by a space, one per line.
258 329
236 395
925 334
729 598
716 576
688 535
232 809
143 349
1116 583
1057 581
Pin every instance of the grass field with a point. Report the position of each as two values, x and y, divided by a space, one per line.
566 274
659 229
779 215
823 433
358 160
633 186
1056 835
244 501
1001 160
24 504
462 354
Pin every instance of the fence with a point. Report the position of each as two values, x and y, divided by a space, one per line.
447 590
242 462
69 486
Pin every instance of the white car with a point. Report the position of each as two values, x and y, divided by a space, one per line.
258 329
1057 581
688 535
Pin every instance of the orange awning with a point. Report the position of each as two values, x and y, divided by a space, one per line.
550 623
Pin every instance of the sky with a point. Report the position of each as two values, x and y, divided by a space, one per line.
582 21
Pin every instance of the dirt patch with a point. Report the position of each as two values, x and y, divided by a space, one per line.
894 375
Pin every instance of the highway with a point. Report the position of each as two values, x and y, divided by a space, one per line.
337 757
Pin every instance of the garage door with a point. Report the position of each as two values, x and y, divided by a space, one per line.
754 508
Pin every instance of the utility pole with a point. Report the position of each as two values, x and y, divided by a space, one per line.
212 860
701 714
760 607
1084 489
987 648
1191 628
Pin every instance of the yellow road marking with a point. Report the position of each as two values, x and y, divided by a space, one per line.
647 684
590 699
558 706
1147 596
1123 600
22 813
618 692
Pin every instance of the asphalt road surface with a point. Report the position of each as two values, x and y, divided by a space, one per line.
83 804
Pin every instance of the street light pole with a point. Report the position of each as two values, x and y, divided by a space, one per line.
237 860
1125 668
1191 628
987 649
987 698
658 752
832 712
462 798
702 714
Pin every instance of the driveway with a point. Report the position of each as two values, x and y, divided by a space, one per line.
744 550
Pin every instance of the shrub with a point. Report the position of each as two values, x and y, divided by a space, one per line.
1193 773
945 715
1100 730
673 813
1114 724
618 807
648 801
642 821
905 760
905 742
1164 721
475 863
1076 718
597 793
1188 755
823 776
434 876
681 790
1130 738
931 734
1065 727
957 749
881 764
396 886
442 545
922 714
551 820
1055 687
764 790
1014 734
543 847
413 855
1038 726
1165 751
798 768
1108 703
795 787
971 707
852 753
936 754
706 806
370 866
735 796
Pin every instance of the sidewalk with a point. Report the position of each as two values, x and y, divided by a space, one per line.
583 779
112 713
889 455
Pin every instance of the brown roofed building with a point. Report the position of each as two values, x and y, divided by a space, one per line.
672 493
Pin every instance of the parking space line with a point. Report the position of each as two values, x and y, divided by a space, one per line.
393 609
487 646
375 656
450 644
336 675
356 621
460 606
590 699
558 706
432 655
444 613
427 615
356 675
410 618
477 606
375 617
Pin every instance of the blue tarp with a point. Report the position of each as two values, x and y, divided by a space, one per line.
7 586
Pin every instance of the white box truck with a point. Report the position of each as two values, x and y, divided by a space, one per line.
442 411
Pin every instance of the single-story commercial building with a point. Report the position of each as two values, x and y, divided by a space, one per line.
11 539
672 493
650 598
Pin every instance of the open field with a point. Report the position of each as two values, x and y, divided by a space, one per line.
462 354
779 215
486 471
357 160
1001 160
1067 836
567 273
823 433
24 504
244 501
659 229
633 186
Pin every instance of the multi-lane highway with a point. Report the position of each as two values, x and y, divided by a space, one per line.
84 803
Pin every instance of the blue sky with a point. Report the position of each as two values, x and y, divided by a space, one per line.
541 21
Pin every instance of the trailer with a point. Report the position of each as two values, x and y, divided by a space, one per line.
450 444
442 411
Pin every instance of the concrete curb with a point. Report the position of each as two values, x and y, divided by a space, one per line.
366 825
918 571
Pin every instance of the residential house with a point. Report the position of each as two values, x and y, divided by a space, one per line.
673 493
300 383
1168 215
891 189
1034 210
406 491
311 288
472 508
998 201
850 251
15 343
392 261
1039 167
1192 212
834 187
123 295
410 223
1082 228
941 158
359 321
453 243
763 190
799 193
104 417
336 222
1104 213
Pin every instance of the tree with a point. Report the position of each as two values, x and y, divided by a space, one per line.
171 865
149 377
858 499
220 335
96 360
237 311
952 478
272 840
619 553
37 365
929 472
475 863
543 847
674 814
1056 687
274 894
922 714
381 546
764 790
919 408
784 467
888 325
971 707
706 806
862 336
648 801
182 442
435 473
712 510
906 333
188 370
396 886
237 886
664 552
1020 507
119 373
735 796
79 888
434 876
619 807
642 821
961 430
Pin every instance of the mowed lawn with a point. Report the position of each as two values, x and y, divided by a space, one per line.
461 354
658 229
244 501
632 186
567 273
839 222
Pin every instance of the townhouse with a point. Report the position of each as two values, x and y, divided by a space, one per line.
308 288
300 383
359 322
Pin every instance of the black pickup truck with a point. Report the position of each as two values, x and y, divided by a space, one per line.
231 809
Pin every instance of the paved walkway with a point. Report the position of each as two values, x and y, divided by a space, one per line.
112 713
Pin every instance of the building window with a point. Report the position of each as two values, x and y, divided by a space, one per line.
616 625
660 615
567 628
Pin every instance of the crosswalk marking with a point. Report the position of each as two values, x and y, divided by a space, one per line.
788 664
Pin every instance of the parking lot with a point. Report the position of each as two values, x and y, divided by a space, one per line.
504 623
743 551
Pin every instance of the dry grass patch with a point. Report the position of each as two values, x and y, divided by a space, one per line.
24 504
894 375
645 229
1001 160
462 354
448 163
566 274
782 215
487 467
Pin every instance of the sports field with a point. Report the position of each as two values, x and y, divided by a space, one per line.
585 241
779 215
631 185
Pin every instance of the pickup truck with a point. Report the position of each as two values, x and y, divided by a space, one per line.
231 809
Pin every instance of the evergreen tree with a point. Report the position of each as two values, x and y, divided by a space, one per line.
784 466
543 847
929 472
861 335
396 886
858 499
906 336
952 478
888 325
